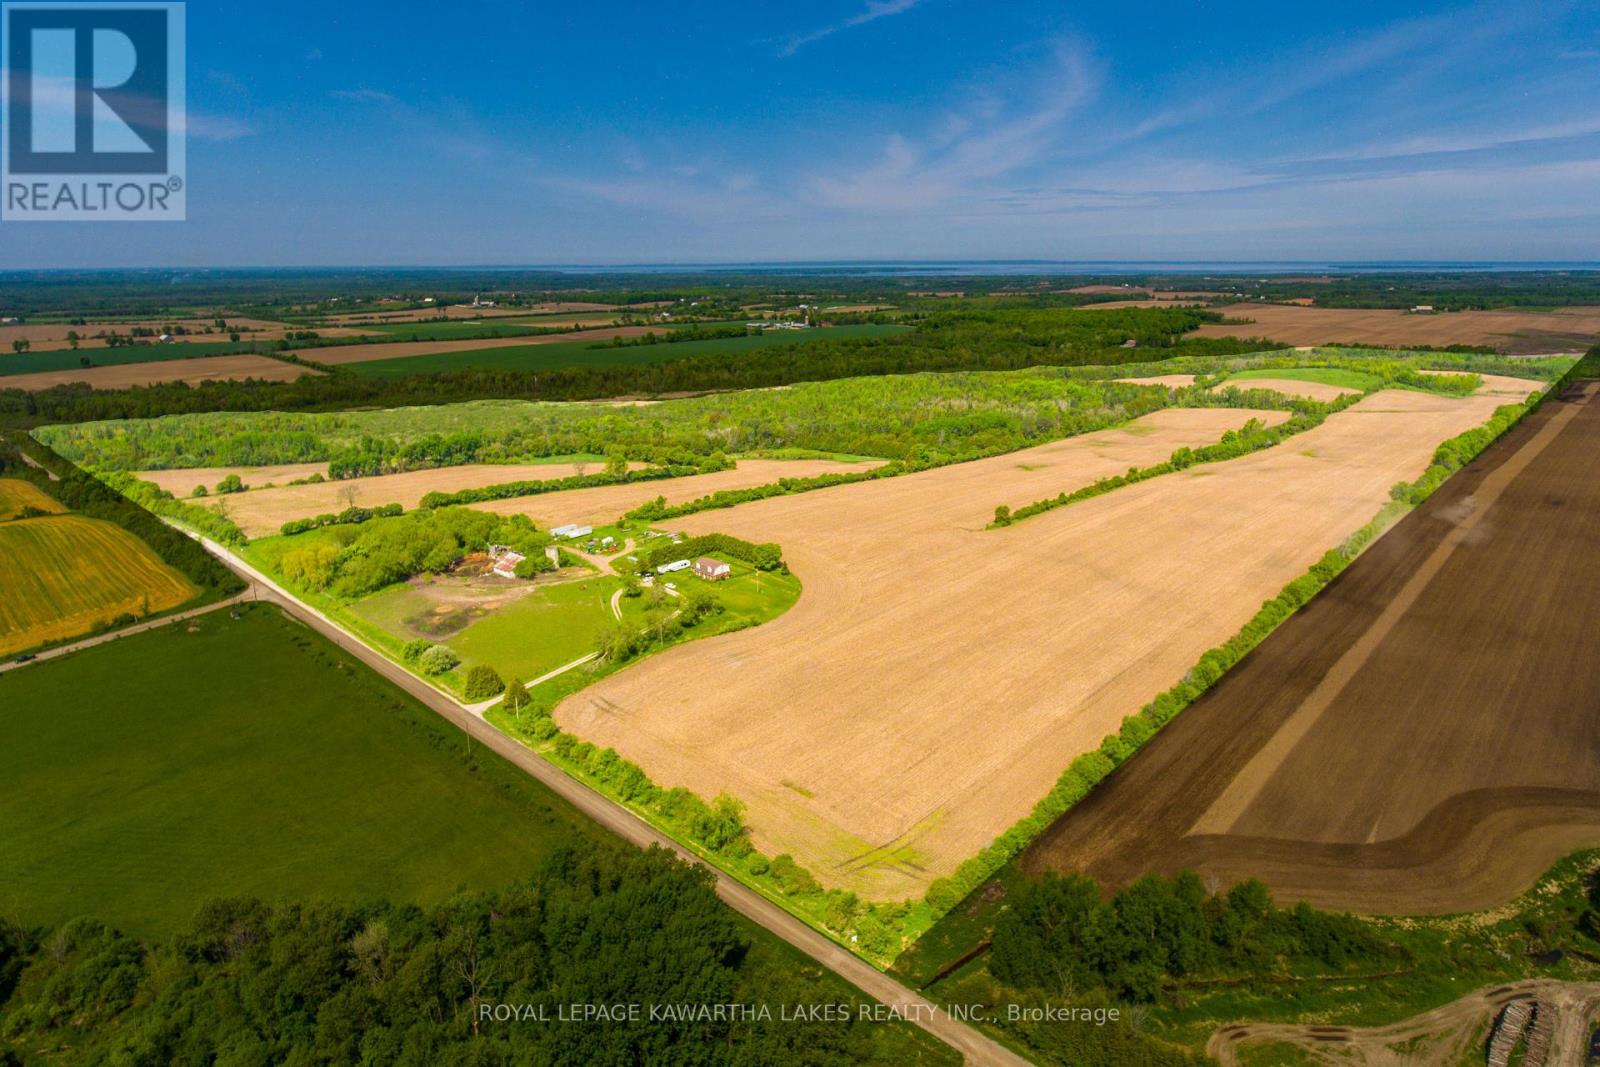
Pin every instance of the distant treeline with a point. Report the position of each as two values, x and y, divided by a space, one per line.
86 495
966 338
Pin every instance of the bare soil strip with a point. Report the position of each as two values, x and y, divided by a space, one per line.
181 482
595 507
1515 332
1457 754
193 371
342 354
1443 1037
919 735
262 512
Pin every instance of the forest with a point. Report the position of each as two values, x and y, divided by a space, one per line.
386 982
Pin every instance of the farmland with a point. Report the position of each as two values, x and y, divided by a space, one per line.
108 375
1418 739
19 496
261 512
586 349
67 575
339 355
879 689
1513 331
139 808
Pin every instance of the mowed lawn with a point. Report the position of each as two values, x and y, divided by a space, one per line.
597 353
147 775
67 574
544 630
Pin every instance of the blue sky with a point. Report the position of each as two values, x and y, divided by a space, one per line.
498 132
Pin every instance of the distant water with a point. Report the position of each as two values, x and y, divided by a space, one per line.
970 268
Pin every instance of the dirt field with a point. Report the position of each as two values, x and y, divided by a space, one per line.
1445 1037
262 512
397 349
594 507
1422 737
66 573
1173 381
848 726
193 371
1515 332
182 482
1320 391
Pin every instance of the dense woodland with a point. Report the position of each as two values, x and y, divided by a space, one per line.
384 982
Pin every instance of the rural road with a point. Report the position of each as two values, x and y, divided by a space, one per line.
918 1010
139 628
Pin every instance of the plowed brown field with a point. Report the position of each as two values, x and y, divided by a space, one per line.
1516 332
607 503
181 482
193 371
1423 737
936 677
262 512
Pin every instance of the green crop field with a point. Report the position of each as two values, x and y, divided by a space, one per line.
17 495
252 757
582 354
67 574
1336 376
456 329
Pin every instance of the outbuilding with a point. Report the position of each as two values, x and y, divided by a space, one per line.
712 570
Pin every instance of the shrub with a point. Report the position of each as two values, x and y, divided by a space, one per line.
437 659
231 484
533 566
199 490
516 695
483 682
415 648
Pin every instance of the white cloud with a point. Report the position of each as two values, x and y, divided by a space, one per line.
875 9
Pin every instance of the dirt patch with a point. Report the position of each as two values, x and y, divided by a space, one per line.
191 371
262 512
1421 737
182 482
343 354
1515 332
1320 391
1171 381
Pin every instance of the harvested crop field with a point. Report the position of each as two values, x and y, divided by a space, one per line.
1311 390
52 335
66 574
595 507
261 512
192 371
181 482
1171 381
879 731
17 495
1513 332
1420 738
340 355
463 311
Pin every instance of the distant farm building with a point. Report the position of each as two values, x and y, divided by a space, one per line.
505 560
572 530
712 570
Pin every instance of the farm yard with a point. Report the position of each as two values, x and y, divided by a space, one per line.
1420 738
1567 329
875 779
67 574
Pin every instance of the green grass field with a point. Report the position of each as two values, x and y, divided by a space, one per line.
66 575
144 776
66 359
580 354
